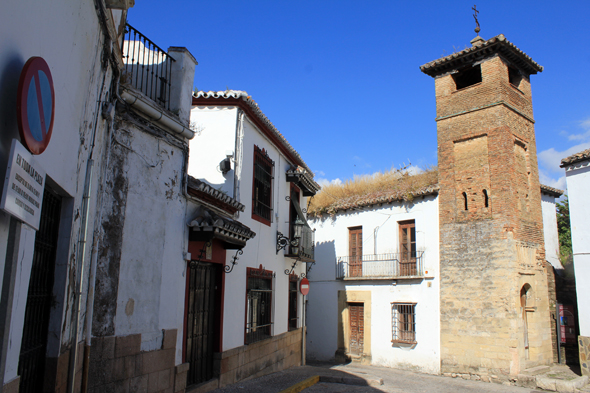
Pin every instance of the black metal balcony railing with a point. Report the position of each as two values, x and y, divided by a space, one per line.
306 248
388 265
148 67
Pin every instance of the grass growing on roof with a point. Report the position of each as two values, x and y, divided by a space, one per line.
380 187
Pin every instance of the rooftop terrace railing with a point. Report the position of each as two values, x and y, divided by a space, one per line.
389 265
148 67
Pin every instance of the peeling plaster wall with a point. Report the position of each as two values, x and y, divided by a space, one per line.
69 38
141 267
323 310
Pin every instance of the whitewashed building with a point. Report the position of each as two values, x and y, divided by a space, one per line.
577 172
238 153
41 270
375 294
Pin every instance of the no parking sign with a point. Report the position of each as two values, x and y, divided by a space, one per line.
35 105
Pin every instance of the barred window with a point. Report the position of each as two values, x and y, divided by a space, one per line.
403 323
262 186
258 309
292 302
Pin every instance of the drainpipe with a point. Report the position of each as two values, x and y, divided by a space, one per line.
375 239
157 115
80 265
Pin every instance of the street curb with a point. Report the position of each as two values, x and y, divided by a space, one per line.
302 385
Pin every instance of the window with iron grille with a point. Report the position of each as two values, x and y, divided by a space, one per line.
258 307
403 323
292 302
262 186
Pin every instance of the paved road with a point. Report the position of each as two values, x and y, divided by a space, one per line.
398 381
394 381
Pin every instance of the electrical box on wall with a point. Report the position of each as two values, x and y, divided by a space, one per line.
225 166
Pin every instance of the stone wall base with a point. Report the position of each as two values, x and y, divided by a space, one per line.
584 346
260 358
254 360
118 364
12 386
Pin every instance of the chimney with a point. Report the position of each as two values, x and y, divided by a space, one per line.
181 84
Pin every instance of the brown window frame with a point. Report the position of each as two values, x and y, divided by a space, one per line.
408 254
355 259
262 180
403 323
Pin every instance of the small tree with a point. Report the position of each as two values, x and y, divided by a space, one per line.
564 231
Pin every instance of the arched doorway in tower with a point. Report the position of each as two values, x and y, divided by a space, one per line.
525 293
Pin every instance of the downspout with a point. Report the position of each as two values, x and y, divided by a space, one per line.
375 239
81 254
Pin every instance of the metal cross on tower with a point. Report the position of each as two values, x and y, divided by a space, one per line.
477 29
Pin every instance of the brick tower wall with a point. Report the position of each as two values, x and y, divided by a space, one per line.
486 142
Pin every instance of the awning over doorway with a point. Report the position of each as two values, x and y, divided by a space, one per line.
208 225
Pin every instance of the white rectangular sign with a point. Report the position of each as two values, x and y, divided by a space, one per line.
23 187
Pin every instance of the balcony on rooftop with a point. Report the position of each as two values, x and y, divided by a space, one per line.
164 78
380 266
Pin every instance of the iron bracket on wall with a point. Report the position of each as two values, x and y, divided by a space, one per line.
202 253
228 268
310 265
287 271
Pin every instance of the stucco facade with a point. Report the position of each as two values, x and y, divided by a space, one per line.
329 296
231 127
577 171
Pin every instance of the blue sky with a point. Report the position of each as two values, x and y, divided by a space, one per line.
341 79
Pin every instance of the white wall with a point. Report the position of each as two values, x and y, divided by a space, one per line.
332 242
216 134
151 291
67 35
578 189
550 234
219 135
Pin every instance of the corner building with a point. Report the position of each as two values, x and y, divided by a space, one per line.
494 300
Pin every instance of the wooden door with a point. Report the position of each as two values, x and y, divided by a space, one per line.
357 327
355 243
407 248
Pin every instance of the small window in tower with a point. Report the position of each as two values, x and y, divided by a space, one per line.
465 200
514 76
485 198
467 77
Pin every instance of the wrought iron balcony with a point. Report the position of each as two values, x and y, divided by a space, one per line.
148 67
380 266
306 247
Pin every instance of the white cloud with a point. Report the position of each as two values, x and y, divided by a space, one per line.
320 173
324 182
550 159
414 170
550 181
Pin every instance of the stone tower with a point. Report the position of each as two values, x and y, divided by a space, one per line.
495 317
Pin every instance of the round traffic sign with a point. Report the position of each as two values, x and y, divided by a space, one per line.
35 105
304 286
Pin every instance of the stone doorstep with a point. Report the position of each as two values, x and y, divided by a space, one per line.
536 370
560 385
537 377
